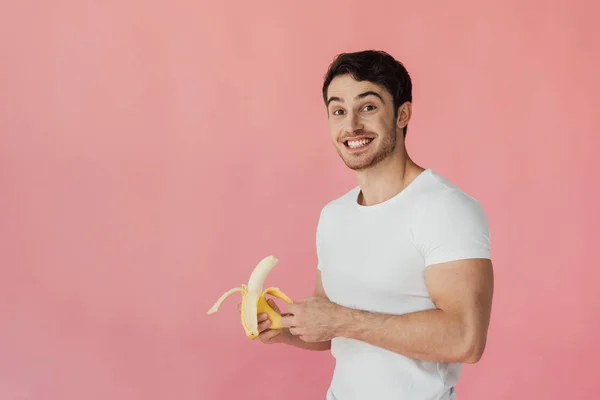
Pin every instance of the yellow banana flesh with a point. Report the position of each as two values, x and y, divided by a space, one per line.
254 299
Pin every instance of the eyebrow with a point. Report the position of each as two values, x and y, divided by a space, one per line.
360 96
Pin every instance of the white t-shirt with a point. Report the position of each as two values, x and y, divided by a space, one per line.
373 258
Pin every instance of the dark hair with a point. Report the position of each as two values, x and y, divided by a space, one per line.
375 66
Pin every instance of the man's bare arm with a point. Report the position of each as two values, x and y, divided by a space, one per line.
295 340
455 331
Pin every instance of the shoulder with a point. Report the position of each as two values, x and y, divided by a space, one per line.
451 224
442 200
340 206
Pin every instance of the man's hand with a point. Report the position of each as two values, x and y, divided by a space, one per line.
266 335
313 319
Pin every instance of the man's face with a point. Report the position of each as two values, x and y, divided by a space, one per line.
362 123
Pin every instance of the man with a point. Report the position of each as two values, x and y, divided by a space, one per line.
404 279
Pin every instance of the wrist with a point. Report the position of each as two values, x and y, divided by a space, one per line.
344 322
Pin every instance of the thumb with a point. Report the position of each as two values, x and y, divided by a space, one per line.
274 305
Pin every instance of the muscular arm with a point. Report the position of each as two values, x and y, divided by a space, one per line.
295 340
455 331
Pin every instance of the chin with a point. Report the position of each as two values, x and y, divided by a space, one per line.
357 164
363 161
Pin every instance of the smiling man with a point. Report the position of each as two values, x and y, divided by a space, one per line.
404 280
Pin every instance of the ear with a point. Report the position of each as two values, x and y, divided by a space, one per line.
404 114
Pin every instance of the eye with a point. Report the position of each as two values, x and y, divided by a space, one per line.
337 112
369 107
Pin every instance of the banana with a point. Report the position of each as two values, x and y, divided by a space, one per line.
254 301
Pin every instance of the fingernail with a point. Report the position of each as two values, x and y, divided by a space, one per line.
263 315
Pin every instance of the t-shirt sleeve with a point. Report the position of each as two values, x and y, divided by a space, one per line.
453 227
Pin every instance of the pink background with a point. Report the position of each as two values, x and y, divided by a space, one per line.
151 153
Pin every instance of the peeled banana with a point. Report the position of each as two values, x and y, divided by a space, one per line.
254 301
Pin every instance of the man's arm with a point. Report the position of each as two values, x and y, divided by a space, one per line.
295 340
455 331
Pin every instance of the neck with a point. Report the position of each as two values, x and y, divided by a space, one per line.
386 179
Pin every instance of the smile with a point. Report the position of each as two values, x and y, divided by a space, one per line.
355 144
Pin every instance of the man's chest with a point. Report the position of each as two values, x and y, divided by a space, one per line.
371 265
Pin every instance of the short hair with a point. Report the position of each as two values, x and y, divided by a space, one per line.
375 66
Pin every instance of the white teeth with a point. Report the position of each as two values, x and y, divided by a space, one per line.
358 143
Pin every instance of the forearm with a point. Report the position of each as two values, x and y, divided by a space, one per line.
432 335
295 341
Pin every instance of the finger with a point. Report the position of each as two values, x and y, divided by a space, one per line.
264 325
296 331
274 305
288 320
262 317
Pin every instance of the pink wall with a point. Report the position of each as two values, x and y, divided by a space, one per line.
151 152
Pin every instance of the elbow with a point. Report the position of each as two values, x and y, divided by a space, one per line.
473 356
472 341
472 349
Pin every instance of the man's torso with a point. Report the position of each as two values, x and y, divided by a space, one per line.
372 258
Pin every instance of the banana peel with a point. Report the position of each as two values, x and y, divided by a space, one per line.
254 299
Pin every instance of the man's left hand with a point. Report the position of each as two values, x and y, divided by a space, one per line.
313 319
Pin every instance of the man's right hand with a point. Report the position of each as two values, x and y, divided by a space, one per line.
266 335
270 336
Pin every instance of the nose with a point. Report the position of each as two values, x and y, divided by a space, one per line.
353 123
